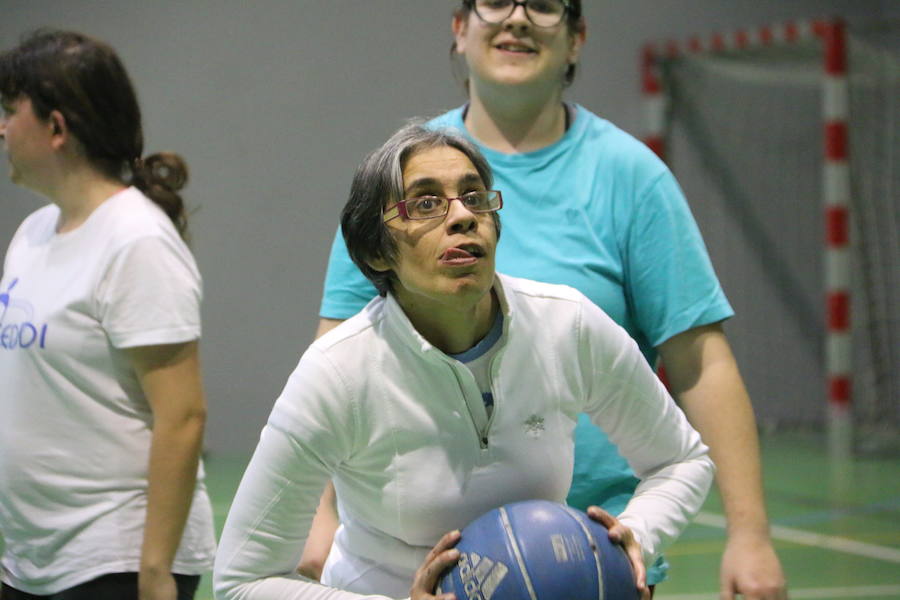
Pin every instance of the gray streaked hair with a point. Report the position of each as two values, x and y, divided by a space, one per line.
378 183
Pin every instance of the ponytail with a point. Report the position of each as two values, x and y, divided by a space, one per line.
160 177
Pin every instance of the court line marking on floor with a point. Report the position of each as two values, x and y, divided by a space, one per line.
829 542
886 509
867 591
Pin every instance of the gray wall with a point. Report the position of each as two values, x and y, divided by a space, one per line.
274 103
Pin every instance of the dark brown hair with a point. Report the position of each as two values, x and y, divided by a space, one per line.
574 22
85 81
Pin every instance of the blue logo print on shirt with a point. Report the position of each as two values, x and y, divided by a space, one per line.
17 327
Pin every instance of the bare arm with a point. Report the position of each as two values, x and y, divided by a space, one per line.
321 535
325 523
707 384
170 378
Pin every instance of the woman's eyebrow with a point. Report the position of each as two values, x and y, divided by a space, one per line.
470 179
431 183
422 183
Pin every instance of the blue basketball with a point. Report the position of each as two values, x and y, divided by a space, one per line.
538 550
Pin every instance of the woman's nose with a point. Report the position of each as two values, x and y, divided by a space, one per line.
517 19
460 218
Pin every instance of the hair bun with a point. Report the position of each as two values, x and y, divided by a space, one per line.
167 169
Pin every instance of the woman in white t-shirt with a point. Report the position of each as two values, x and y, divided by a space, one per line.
101 490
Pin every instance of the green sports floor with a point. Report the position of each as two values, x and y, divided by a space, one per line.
836 527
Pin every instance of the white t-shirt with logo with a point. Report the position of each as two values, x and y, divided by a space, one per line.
75 426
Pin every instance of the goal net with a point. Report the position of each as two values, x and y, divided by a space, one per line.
743 130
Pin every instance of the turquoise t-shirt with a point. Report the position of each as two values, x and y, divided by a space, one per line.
598 211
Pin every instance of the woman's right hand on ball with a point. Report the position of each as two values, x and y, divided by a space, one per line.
439 559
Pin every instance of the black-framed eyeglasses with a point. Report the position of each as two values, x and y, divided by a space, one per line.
435 207
541 13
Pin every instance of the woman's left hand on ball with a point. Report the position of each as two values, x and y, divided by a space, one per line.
622 535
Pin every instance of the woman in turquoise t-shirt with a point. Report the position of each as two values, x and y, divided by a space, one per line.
589 206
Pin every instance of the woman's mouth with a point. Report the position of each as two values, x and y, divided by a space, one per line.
514 48
461 255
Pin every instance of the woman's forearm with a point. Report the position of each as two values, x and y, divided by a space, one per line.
172 477
708 386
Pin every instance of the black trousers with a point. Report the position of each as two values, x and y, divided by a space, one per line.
114 586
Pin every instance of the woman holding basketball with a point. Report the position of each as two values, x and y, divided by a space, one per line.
102 406
589 206
456 390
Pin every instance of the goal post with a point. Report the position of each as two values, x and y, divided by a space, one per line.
788 155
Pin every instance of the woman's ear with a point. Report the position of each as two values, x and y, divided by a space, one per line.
378 264
577 41
459 25
59 129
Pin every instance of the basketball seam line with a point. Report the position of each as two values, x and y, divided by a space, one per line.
507 528
597 559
